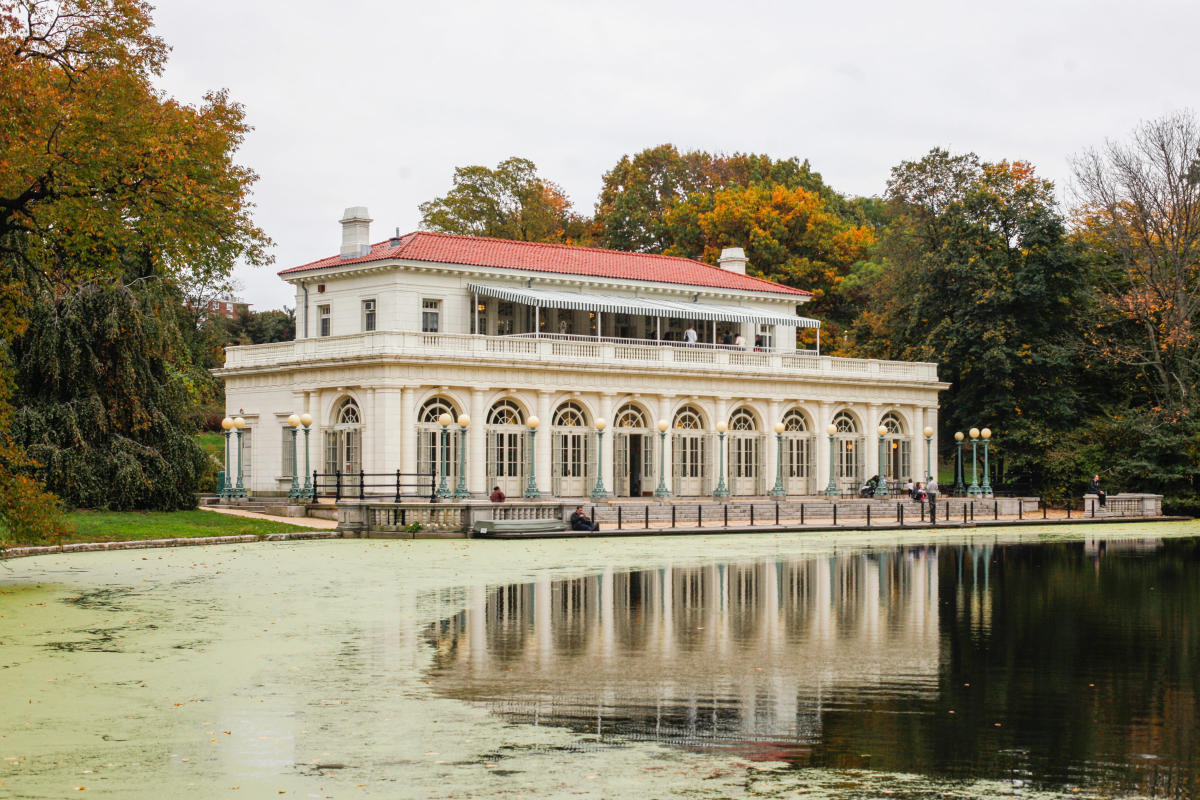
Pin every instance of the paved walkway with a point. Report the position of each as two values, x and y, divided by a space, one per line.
308 522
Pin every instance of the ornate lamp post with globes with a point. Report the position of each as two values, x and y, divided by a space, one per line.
881 487
460 491
531 490
238 425
721 490
959 486
831 489
974 489
443 490
777 490
662 490
928 445
599 491
986 488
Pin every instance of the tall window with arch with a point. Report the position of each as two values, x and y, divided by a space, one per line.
429 440
507 435
690 453
570 449
745 452
797 453
343 440
897 449
848 444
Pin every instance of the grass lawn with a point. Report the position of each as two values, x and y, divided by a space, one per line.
123 526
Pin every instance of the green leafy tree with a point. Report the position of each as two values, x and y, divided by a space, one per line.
509 202
976 272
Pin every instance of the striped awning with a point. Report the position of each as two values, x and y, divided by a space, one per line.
619 304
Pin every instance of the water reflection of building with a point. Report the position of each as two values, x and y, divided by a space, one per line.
749 655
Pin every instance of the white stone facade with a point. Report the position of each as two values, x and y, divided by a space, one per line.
375 368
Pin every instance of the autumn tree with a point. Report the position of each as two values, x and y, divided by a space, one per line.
509 202
99 168
978 274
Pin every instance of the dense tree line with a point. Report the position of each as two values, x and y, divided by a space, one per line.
1071 332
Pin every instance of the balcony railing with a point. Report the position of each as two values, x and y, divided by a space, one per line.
566 349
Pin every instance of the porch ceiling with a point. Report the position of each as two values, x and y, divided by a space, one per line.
617 304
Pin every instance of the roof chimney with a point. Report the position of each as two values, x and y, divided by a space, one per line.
356 232
733 259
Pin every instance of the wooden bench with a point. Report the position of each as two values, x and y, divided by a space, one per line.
505 528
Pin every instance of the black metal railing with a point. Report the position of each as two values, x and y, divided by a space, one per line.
398 485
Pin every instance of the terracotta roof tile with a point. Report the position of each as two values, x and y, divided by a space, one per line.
554 258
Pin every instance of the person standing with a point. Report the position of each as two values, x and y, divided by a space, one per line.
931 491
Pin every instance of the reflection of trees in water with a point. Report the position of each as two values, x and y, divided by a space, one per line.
1087 654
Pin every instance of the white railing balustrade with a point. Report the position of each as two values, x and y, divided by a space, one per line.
568 349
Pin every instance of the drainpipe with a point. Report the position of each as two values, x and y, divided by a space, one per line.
304 286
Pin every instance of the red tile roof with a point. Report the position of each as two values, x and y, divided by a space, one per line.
447 248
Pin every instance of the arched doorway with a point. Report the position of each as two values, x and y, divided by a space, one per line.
429 440
506 447
745 453
797 453
848 448
690 454
897 449
343 440
571 451
633 453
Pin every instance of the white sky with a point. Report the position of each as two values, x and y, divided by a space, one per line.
375 103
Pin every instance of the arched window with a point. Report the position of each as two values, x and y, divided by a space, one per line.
506 437
688 419
570 448
570 415
743 420
432 458
630 416
343 442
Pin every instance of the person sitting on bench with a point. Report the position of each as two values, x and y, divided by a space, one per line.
582 522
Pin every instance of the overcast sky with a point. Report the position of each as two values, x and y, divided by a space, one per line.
375 103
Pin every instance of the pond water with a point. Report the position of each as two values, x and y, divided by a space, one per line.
1043 662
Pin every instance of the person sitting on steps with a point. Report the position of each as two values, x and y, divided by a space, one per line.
582 522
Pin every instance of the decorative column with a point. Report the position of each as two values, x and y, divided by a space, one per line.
460 491
662 491
531 489
443 490
778 490
721 491
599 492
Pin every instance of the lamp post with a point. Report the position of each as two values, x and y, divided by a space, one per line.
881 489
973 489
310 490
531 490
599 491
293 422
238 425
443 490
662 490
928 446
226 485
777 490
721 490
831 489
460 491
986 488
959 486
